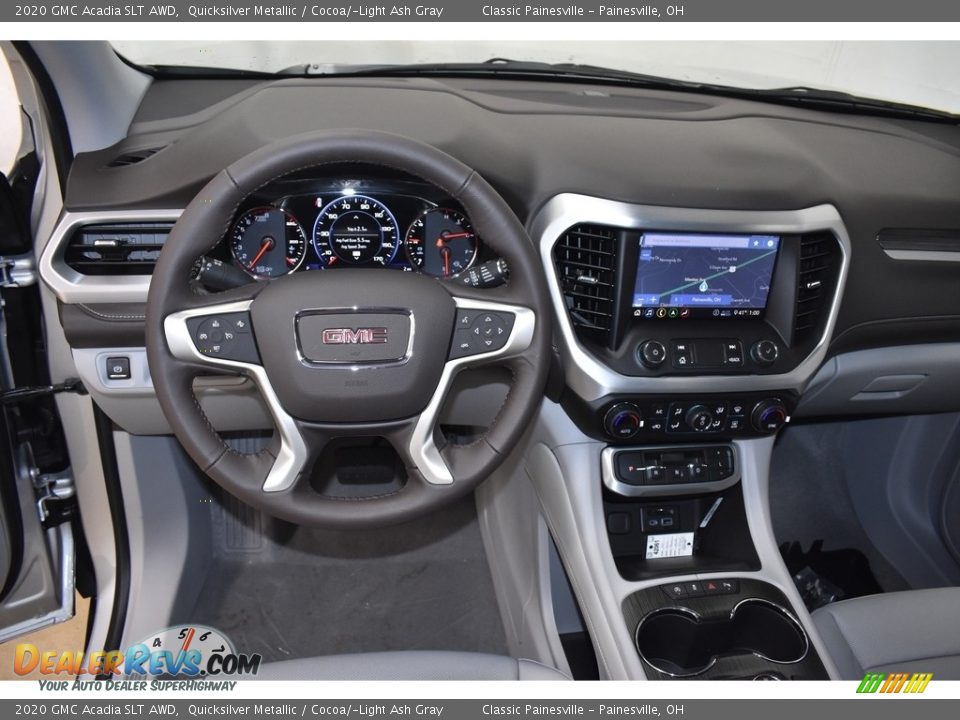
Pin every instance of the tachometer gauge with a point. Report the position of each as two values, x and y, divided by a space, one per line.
441 242
268 242
355 230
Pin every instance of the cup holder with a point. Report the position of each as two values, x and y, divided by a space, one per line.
677 642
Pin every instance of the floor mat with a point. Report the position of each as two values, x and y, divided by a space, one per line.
304 592
826 576
809 500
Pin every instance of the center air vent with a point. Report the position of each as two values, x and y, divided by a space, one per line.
585 258
116 249
817 276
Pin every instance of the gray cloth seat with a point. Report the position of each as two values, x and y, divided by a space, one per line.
911 631
409 665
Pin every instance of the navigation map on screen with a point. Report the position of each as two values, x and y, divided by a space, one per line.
729 274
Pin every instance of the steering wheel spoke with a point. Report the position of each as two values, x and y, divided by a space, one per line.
220 335
487 333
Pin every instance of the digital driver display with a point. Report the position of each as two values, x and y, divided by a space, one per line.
683 275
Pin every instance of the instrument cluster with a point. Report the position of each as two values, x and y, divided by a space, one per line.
328 224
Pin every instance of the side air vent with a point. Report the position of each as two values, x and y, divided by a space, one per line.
133 157
585 258
817 275
127 249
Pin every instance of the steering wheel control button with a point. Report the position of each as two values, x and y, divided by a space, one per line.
652 353
623 421
765 352
769 416
118 368
226 336
480 332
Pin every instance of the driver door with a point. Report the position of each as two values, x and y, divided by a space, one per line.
37 504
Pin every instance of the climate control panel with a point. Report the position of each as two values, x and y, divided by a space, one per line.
668 418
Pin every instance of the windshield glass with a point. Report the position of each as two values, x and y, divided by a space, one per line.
914 73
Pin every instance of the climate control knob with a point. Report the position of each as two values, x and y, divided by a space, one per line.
699 418
769 416
623 421
652 353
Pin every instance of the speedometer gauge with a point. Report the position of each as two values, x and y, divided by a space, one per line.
268 242
355 230
441 242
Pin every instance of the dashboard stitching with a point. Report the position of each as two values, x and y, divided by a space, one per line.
109 316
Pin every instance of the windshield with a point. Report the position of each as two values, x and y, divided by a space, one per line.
913 73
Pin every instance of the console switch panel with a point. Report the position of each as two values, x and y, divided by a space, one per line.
674 466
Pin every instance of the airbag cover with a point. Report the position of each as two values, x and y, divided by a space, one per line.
353 345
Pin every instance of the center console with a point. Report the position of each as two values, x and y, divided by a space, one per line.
687 339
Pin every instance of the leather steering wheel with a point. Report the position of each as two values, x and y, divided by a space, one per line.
348 352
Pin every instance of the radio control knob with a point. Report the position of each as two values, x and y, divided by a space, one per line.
652 353
699 418
623 421
769 416
765 352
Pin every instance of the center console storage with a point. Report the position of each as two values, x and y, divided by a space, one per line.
720 628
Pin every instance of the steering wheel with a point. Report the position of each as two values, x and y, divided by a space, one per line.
347 352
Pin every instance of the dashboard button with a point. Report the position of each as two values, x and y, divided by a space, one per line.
733 353
675 591
631 468
656 474
118 368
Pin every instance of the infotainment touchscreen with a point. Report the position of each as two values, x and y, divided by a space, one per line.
703 275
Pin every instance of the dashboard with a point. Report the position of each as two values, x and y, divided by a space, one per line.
750 246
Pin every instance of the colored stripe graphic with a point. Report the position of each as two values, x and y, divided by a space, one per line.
894 683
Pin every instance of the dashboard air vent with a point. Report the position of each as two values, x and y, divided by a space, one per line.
122 249
133 157
817 275
585 258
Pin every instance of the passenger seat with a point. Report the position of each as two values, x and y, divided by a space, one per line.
912 631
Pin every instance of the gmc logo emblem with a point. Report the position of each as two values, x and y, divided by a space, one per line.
360 336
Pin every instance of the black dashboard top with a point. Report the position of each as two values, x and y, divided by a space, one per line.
533 140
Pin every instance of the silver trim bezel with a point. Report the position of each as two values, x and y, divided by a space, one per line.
592 379
72 287
614 484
